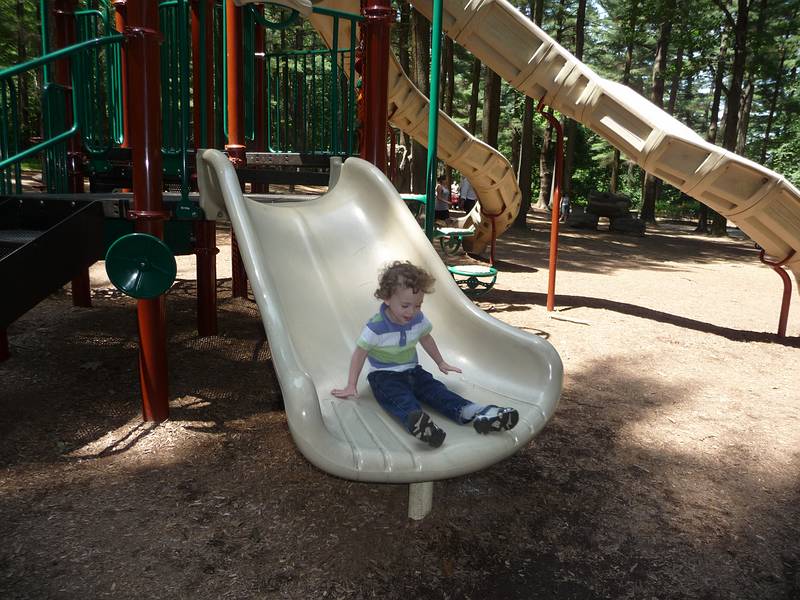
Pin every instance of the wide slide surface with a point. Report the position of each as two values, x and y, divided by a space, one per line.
761 202
313 266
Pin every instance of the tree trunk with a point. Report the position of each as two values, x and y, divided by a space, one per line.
404 37
516 139
448 91
626 77
571 128
545 158
773 104
652 184
545 171
22 56
422 65
491 108
719 224
525 164
474 96
749 85
777 89
676 81
744 117
526 143
713 125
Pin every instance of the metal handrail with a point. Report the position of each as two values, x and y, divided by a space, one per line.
308 81
101 85
68 52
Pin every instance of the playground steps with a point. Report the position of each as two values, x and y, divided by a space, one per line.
43 245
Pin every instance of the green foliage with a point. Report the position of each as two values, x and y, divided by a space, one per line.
617 32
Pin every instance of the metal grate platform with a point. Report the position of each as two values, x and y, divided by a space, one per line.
18 236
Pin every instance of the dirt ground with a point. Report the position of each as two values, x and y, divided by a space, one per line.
669 471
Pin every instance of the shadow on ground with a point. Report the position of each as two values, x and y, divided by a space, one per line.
217 502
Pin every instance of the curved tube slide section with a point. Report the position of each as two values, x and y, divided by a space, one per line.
761 202
313 266
489 172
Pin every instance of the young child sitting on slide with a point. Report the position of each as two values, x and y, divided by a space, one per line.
399 383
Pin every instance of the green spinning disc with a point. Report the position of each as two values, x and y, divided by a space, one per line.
141 266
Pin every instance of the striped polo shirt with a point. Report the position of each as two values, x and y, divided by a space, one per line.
392 347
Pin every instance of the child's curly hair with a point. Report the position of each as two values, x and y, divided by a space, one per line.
400 275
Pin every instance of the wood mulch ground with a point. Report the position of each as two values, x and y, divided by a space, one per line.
669 471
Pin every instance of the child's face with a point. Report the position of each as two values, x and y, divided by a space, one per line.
403 305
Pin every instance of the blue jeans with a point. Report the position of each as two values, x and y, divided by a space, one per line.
400 394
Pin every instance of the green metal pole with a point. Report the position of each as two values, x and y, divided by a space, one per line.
433 118
45 39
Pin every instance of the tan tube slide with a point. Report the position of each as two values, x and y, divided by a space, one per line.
489 172
761 202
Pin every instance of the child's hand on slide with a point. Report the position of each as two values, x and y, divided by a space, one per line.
446 368
346 392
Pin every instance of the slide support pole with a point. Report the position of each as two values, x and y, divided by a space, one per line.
555 205
787 288
236 143
144 84
420 500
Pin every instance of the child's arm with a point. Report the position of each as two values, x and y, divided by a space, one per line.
432 349
356 364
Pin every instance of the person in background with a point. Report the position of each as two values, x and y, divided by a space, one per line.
564 208
468 196
442 205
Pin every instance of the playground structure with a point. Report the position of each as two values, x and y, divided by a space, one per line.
763 204
91 130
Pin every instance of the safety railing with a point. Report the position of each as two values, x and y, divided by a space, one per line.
56 102
177 136
98 73
309 99
309 95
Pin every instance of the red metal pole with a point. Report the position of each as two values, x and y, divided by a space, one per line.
555 206
236 142
64 19
379 16
205 232
144 83
786 300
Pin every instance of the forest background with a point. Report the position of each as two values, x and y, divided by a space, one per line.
728 69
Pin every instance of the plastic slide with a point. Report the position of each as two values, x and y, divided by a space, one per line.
313 266
761 202
489 172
